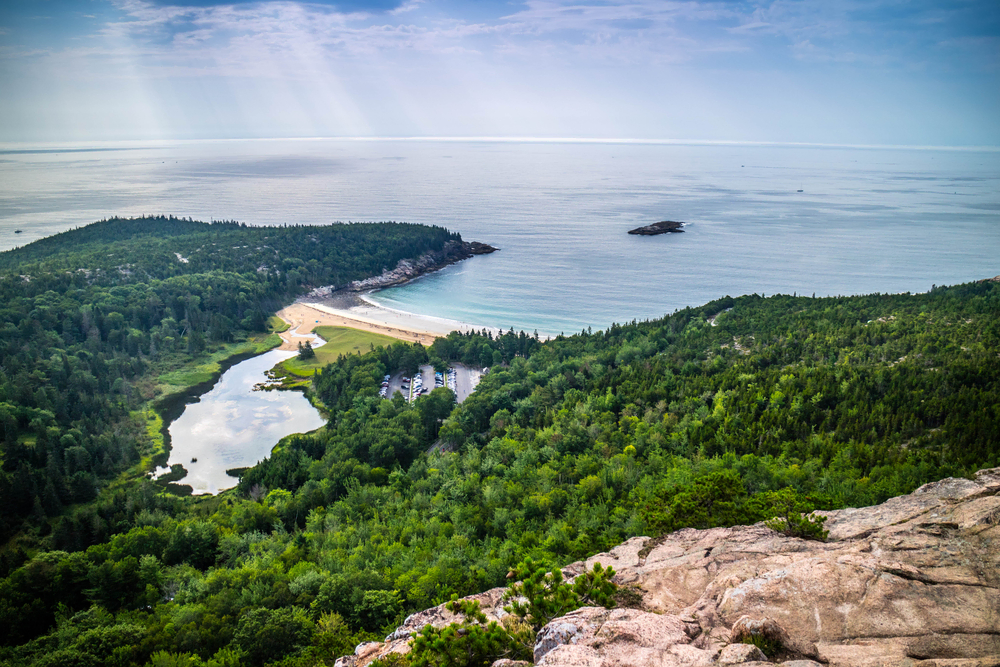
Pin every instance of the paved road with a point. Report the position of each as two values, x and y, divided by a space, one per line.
466 379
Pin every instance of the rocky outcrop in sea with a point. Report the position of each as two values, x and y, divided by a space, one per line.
664 227
913 582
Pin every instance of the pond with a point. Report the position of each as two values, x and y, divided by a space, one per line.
232 426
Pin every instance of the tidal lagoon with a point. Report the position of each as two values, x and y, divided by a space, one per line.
233 426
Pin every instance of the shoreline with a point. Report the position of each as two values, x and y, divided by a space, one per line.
355 312
306 316
406 270
351 306
431 321
192 379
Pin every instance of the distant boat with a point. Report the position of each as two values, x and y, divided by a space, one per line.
17 231
798 190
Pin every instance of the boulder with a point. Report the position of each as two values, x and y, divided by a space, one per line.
740 654
761 632
491 602
663 227
612 637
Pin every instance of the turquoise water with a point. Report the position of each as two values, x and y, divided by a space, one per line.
866 220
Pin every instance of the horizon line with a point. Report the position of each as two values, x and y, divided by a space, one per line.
8 146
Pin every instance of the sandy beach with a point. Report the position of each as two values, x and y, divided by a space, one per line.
357 311
304 317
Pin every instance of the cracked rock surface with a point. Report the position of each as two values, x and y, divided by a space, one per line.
913 582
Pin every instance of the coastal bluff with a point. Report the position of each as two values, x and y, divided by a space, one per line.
408 269
912 582
664 227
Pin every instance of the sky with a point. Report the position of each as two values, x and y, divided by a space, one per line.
868 72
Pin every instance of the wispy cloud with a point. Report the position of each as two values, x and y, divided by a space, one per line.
231 38
408 6
367 62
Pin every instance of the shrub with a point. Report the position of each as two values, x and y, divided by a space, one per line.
540 596
791 516
473 643
547 596
764 633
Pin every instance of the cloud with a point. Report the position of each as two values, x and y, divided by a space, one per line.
349 6
583 32
407 65
408 6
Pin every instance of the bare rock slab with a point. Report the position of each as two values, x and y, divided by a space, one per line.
618 637
912 582
740 654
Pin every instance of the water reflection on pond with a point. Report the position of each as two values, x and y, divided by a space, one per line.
232 426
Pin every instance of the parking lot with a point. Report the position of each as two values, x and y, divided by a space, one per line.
396 384
460 378
466 379
427 382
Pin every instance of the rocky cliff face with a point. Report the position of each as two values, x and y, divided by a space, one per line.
406 270
912 582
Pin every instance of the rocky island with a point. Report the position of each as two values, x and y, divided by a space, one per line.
663 227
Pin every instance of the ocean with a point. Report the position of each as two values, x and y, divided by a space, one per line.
759 219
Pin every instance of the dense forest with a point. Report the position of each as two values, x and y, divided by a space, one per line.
735 412
738 411
90 317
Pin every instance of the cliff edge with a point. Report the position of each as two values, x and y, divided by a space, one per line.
407 269
913 582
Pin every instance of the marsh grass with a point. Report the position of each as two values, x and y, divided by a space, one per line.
339 340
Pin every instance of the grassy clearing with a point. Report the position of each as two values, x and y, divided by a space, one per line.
205 368
339 340
154 430
208 366
276 324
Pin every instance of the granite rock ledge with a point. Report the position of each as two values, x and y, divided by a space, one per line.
913 582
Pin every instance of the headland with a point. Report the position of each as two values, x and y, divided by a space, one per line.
349 306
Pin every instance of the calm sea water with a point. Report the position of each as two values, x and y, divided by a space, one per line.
867 220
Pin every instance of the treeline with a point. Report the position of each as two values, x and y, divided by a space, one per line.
89 316
738 411
482 349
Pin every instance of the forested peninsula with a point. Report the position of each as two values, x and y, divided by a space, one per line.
739 411
99 321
